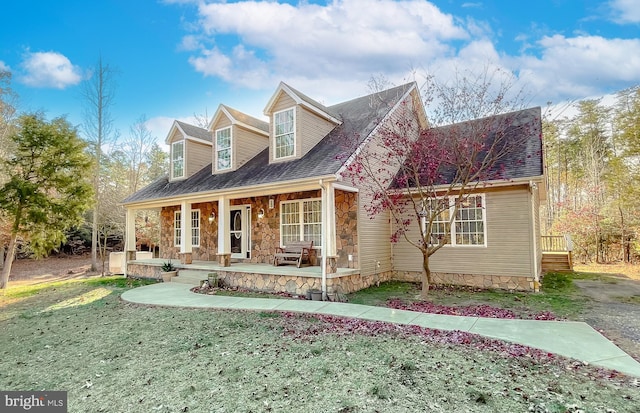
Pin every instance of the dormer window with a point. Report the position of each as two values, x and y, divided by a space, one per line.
223 149
284 136
177 160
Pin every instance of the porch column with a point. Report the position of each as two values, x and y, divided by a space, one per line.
224 247
185 234
129 238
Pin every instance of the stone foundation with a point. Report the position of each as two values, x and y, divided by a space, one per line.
144 271
299 285
498 282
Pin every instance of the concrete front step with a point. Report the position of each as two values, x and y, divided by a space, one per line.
191 277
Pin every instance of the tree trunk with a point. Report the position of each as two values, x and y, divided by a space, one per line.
8 261
94 240
426 275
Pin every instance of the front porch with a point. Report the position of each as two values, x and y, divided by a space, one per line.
259 277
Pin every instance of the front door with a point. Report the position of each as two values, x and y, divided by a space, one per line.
239 225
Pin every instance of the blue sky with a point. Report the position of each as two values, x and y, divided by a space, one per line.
177 58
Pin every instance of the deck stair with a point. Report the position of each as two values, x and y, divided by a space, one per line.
191 277
557 253
556 262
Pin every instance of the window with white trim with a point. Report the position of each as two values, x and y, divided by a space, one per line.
223 149
195 227
301 221
284 138
177 228
177 159
439 209
469 225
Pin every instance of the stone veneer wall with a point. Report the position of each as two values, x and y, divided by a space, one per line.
208 233
265 232
501 282
346 228
299 285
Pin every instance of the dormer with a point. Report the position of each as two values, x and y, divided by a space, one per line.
237 137
190 150
296 124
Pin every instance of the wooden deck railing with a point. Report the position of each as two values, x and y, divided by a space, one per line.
557 243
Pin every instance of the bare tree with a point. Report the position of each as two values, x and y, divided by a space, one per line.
136 149
98 93
425 178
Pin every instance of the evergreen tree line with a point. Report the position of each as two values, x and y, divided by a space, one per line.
118 165
592 163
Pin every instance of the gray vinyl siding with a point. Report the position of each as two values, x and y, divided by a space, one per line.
197 156
246 145
374 234
509 249
311 128
374 241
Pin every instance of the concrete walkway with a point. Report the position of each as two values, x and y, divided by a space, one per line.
567 338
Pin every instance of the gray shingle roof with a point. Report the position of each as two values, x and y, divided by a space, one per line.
248 120
359 117
518 135
195 132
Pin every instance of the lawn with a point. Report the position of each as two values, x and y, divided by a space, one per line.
115 357
558 296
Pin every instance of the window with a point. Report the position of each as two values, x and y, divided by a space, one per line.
440 226
177 159
469 223
177 228
223 149
301 220
284 135
468 226
195 227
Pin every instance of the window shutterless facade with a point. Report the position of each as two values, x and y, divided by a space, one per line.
195 227
223 149
301 221
469 224
177 160
284 137
177 228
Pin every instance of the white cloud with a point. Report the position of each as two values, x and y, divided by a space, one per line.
574 67
49 69
4 66
626 11
344 37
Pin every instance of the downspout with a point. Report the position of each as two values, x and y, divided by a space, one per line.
536 274
323 264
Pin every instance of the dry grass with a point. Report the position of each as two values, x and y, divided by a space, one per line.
115 357
618 269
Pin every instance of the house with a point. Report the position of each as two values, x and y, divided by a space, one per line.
243 187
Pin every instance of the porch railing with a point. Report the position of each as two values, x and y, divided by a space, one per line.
557 243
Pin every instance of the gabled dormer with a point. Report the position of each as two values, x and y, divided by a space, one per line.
237 137
190 150
297 123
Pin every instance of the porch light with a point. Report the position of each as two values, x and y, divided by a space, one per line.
212 217
261 213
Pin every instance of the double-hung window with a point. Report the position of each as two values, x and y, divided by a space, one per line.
469 224
223 149
177 228
195 227
177 159
301 221
284 141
